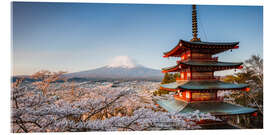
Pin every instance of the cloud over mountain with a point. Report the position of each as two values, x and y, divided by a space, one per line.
122 61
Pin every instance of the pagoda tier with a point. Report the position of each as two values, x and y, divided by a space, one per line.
202 47
202 66
215 108
196 87
206 85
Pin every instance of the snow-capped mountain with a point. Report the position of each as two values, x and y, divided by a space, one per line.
121 67
122 62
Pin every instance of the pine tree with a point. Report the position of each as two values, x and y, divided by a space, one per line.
165 78
169 78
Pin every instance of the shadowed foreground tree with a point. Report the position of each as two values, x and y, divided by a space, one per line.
99 108
251 74
169 78
46 78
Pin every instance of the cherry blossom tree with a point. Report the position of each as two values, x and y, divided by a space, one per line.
89 107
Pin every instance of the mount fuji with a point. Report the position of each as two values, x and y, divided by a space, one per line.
121 67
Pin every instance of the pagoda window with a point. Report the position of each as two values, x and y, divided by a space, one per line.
185 75
180 94
186 55
188 75
188 94
182 75
183 57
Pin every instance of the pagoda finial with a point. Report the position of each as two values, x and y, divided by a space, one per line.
194 25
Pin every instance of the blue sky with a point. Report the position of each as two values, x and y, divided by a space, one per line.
75 37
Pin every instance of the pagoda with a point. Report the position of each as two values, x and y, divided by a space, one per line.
196 87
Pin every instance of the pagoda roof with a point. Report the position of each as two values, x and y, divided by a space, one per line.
205 47
203 85
212 107
171 68
202 63
211 43
210 63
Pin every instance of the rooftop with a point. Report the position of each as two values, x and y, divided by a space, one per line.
210 43
204 85
212 107
210 63
230 65
205 47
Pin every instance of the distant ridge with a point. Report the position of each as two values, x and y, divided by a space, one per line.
123 73
120 68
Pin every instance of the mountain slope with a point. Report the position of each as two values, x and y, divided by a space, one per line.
107 72
120 67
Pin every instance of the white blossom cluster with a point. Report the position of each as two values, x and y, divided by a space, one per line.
94 107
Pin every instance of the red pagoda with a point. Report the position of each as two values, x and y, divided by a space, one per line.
197 88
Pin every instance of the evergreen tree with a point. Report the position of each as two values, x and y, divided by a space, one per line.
166 78
169 78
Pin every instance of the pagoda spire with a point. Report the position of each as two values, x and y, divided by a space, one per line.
194 25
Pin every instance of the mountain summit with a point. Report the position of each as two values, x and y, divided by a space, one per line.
121 67
122 61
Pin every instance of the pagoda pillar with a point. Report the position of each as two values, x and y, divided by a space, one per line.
188 96
247 121
237 119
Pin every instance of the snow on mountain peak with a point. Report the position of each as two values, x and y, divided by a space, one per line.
122 61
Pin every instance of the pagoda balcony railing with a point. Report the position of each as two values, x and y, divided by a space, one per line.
179 78
220 98
205 59
198 59
199 78
182 60
206 78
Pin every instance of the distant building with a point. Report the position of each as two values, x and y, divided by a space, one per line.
196 88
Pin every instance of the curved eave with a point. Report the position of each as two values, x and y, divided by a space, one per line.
209 44
228 65
217 88
171 69
203 85
169 86
182 44
211 64
212 85
172 52
218 108
168 89
214 108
